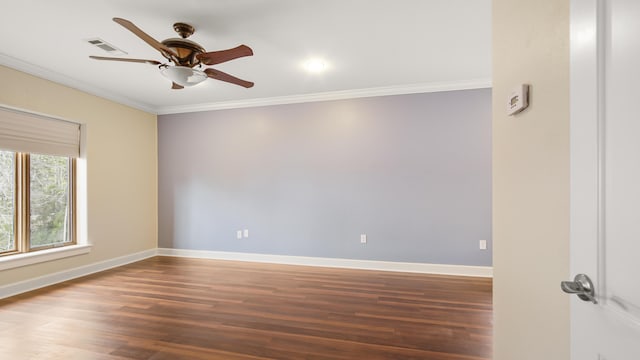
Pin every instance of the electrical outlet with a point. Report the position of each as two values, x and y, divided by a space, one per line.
246 233
483 244
363 238
239 234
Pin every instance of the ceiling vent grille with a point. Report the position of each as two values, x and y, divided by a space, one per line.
110 49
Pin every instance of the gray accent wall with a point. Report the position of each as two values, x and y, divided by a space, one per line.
412 172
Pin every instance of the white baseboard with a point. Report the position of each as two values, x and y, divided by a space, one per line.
441 269
51 279
46 280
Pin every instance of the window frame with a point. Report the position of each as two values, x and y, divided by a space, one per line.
22 203
15 248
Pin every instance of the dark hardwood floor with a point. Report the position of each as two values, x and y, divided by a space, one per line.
177 308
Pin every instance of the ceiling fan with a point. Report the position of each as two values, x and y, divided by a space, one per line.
185 55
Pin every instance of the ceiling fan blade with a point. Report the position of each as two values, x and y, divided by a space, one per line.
218 57
219 75
144 36
150 62
176 86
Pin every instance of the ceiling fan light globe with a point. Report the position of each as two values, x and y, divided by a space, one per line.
184 76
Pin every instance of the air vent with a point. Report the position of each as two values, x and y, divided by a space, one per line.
110 49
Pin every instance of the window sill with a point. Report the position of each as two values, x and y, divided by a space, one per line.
14 261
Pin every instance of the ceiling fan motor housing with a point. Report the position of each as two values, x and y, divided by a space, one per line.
186 50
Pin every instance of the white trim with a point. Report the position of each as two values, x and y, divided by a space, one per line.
442 269
46 280
331 95
43 73
51 279
24 259
58 78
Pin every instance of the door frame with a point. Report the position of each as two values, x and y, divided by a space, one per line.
586 73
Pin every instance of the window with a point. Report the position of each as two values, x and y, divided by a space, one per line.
50 202
36 202
37 182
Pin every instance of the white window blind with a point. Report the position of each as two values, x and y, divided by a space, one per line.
26 132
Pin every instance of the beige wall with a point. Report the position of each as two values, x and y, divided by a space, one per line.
121 169
531 180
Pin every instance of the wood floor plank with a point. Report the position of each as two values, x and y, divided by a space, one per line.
177 308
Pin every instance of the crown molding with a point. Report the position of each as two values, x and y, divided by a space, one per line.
330 95
53 76
58 78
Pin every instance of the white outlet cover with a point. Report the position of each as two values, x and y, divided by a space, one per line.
363 238
483 244
246 233
239 234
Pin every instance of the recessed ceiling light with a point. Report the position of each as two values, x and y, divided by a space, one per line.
315 65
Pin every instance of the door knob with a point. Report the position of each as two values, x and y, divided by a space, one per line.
581 286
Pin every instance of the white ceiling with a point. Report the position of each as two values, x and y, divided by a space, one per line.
372 47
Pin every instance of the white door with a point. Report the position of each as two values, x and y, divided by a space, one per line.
605 177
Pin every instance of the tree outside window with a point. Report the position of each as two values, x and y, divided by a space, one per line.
36 191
